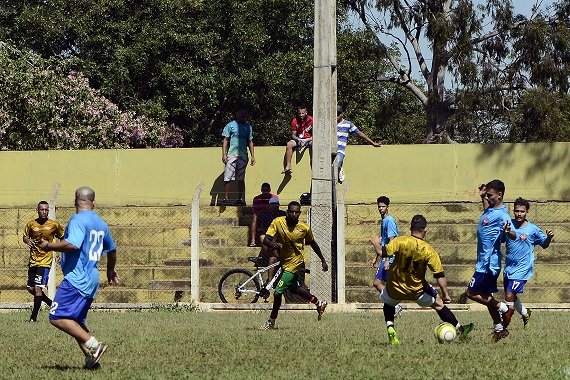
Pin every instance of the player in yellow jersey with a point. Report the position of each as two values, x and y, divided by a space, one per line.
286 237
406 279
39 264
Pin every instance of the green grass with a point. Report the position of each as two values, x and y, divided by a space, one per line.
227 345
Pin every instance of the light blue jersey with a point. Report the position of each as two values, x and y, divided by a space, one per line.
87 231
389 229
239 134
490 234
519 261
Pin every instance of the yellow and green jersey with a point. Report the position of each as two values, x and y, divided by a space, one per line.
293 240
38 232
412 258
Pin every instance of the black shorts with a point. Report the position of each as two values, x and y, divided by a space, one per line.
38 276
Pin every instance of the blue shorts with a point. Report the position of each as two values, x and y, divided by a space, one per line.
68 303
381 273
38 276
483 283
514 286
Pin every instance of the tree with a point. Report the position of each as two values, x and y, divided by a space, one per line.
45 106
481 46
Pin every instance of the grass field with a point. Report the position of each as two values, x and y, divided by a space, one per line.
178 343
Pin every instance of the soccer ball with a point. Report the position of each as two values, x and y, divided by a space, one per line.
445 332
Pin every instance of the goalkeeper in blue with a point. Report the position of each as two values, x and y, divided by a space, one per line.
519 262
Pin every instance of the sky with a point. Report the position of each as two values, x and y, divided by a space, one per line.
521 7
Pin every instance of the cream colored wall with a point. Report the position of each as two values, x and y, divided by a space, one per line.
406 173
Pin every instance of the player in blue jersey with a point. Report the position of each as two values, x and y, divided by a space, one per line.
491 229
86 238
388 231
519 262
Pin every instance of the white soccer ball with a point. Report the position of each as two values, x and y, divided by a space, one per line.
445 332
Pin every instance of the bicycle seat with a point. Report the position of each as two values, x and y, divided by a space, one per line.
258 261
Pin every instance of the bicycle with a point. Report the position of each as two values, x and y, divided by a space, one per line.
242 286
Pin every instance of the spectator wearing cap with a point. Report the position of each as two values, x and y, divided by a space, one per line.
260 205
344 129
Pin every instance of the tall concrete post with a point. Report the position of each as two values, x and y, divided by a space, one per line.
324 146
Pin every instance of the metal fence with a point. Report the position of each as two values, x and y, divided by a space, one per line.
154 249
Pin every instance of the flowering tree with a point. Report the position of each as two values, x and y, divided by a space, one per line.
45 106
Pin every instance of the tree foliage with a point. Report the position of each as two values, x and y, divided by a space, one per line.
44 106
189 63
480 63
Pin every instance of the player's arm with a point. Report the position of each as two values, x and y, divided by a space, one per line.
377 248
442 282
28 240
317 250
483 194
60 246
271 246
225 144
508 231
112 276
368 139
549 236
250 146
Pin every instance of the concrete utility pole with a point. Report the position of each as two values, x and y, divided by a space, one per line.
324 145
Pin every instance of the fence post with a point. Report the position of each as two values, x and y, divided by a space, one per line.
340 244
195 245
51 279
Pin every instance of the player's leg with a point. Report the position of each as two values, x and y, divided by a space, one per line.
510 287
292 144
297 286
68 313
512 290
282 285
241 165
432 299
389 310
39 280
481 289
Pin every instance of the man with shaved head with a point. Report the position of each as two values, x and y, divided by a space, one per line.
86 238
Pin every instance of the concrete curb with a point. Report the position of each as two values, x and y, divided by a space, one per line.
331 308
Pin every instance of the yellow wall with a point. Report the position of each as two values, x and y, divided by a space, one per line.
406 173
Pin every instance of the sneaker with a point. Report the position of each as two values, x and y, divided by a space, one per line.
526 319
321 306
93 358
35 320
89 365
268 325
399 310
393 336
341 175
507 317
465 330
498 335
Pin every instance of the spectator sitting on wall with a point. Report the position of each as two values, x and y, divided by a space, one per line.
301 136
259 205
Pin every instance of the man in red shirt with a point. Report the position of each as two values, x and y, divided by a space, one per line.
301 136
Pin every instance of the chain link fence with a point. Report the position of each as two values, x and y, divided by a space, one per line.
154 249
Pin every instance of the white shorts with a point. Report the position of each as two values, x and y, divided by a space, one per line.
235 169
425 300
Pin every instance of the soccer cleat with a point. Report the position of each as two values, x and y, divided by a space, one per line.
507 317
92 360
526 319
399 310
268 325
465 330
35 320
393 336
498 335
321 306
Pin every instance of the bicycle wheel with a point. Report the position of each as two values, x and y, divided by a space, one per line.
239 286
